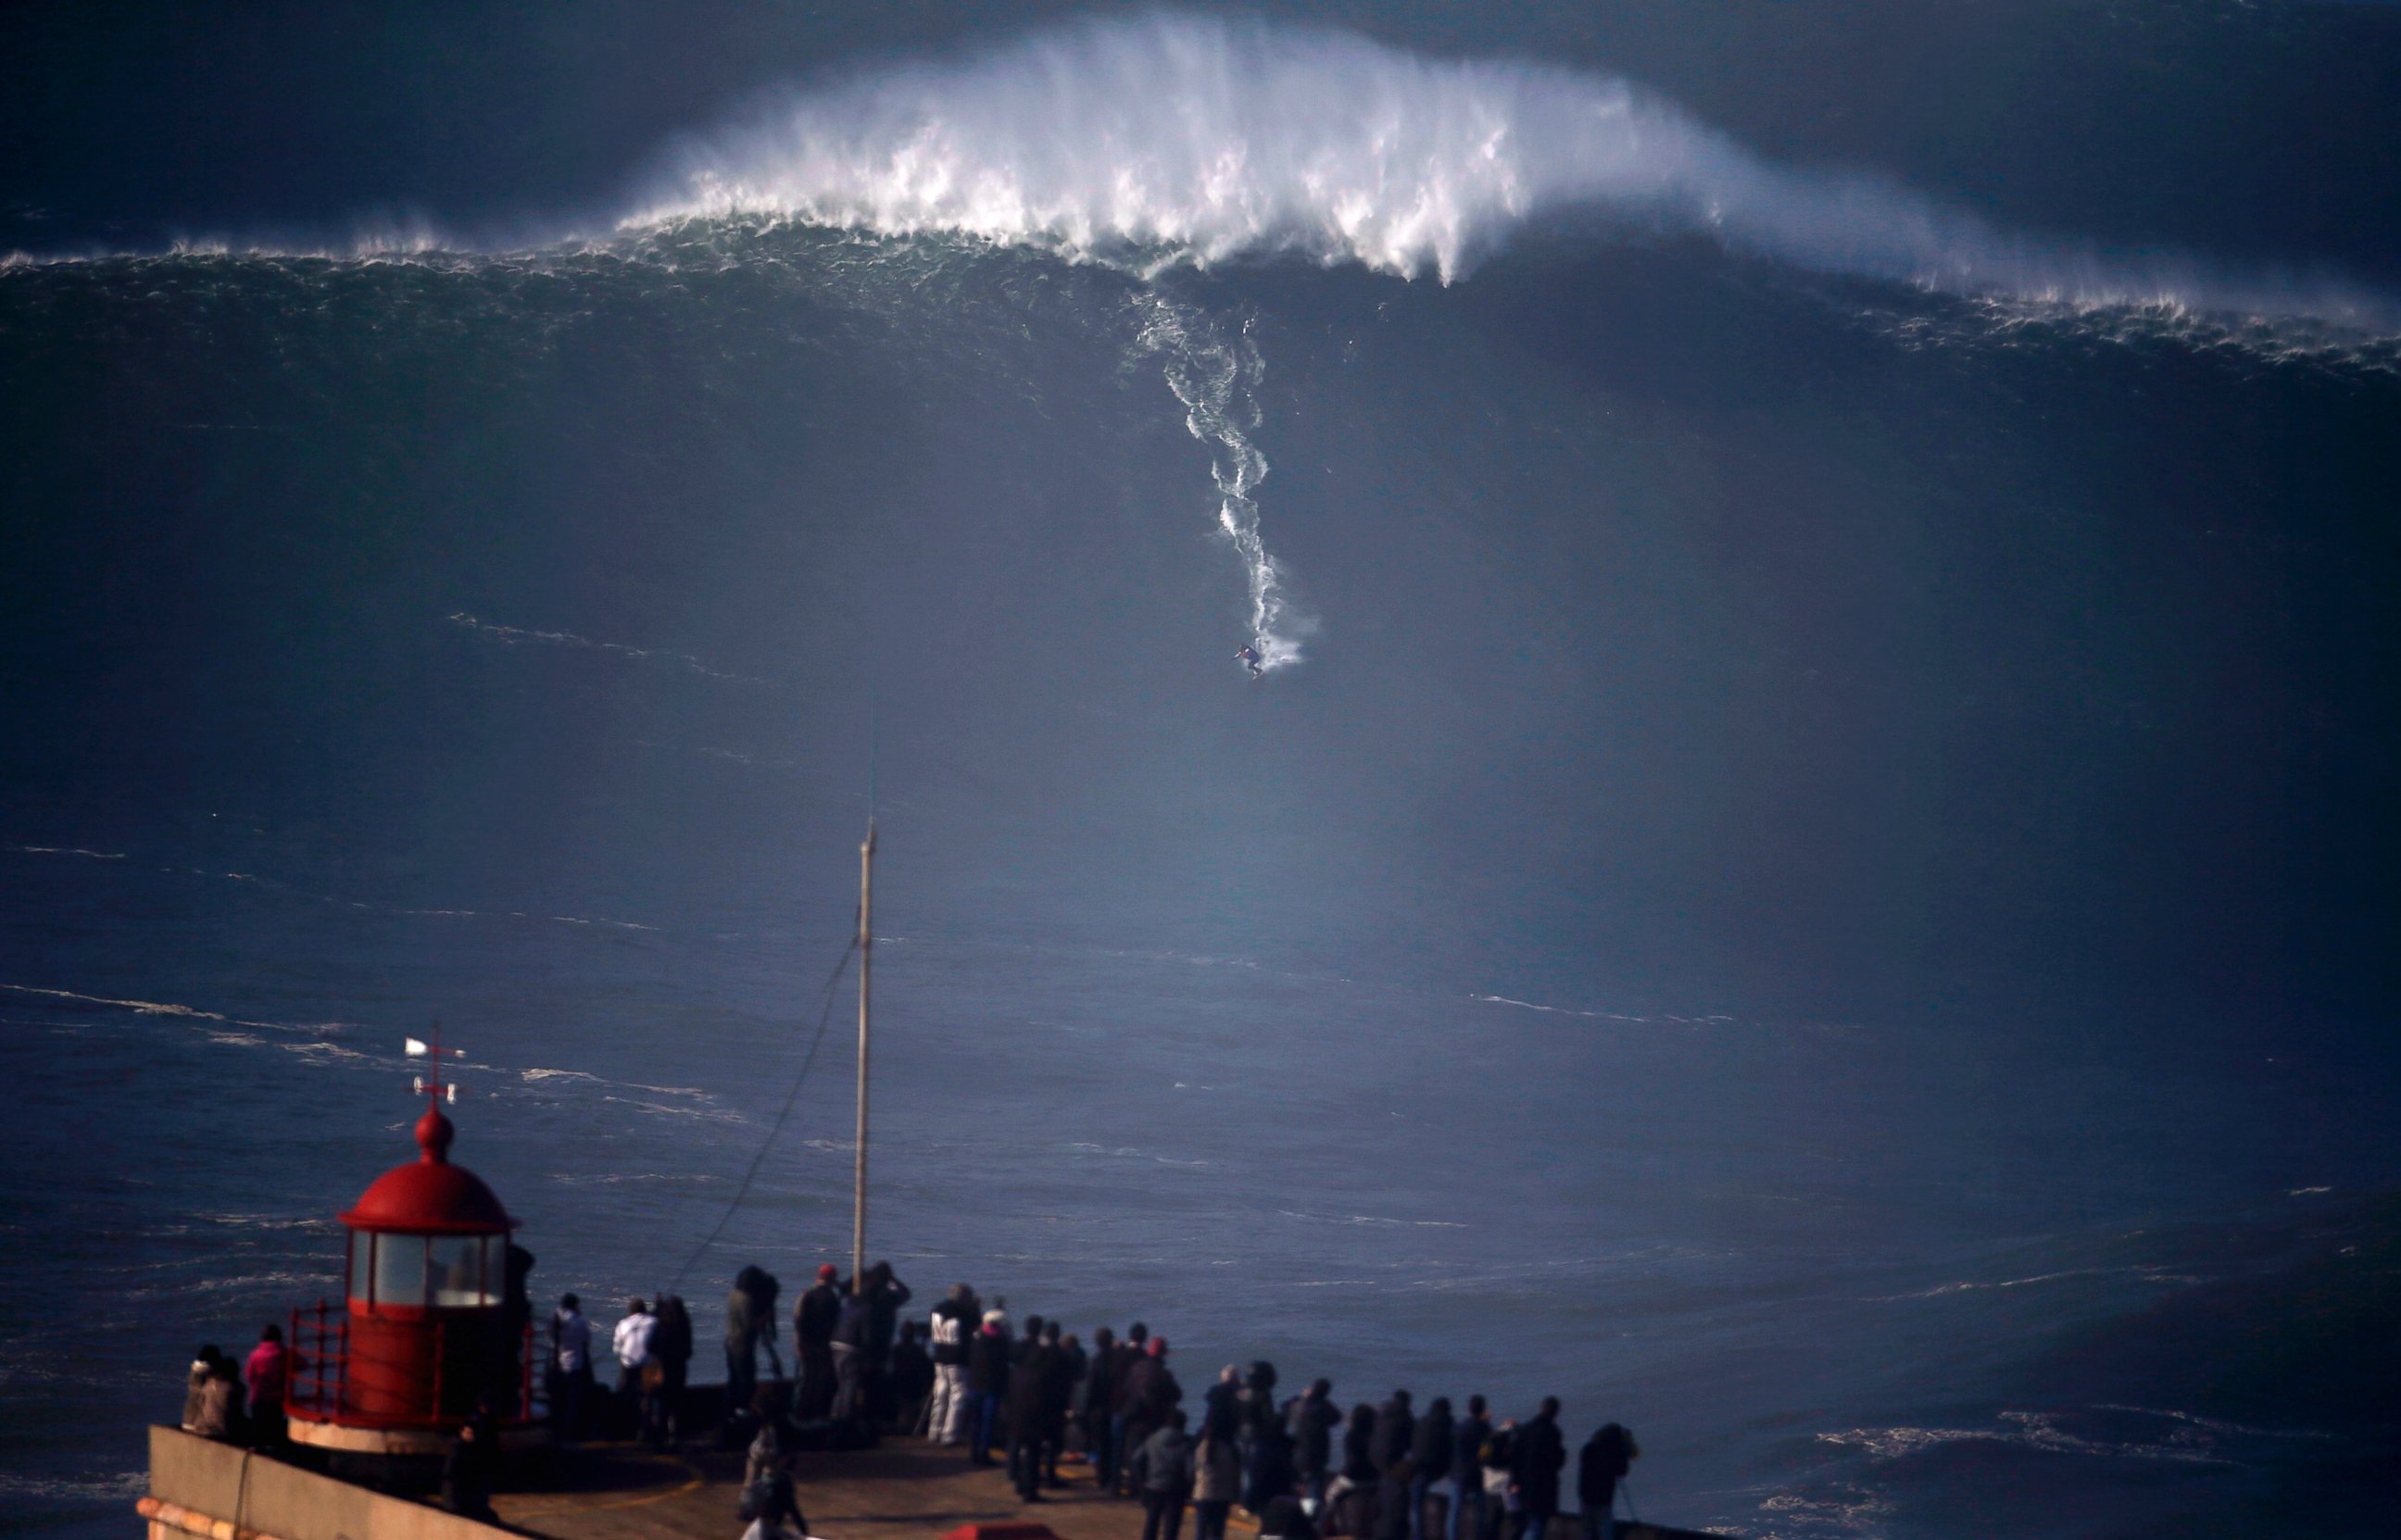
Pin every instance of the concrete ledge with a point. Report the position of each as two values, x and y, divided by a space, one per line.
255 1496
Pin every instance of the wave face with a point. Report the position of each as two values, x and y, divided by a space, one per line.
1175 139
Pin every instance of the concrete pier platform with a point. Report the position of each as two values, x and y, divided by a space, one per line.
902 1490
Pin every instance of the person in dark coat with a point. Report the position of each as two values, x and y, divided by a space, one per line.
1259 1402
1149 1392
468 1469
851 1330
1359 1446
1034 1381
885 1294
1467 1437
1128 1353
1604 1461
671 1352
1058 1395
912 1380
748 1321
1271 1475
1097 1407
1311 1418
1396 1426
987 1383
1221 1406
1536 1458
814 1314
1163 1468
1430 1452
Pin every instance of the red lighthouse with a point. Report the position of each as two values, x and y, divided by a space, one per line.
435 1326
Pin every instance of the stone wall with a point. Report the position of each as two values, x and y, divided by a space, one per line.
246 1493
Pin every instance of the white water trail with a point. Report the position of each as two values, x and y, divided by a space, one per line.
1171 138
1216 374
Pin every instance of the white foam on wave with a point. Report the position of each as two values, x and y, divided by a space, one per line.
89 1487
1173 139
522 635
2190 1445
1572 1011
2146 1273
1214 370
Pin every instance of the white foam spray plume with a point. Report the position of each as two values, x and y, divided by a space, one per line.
1216 377
1174 138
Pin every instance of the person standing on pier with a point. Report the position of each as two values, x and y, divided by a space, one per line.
1311 1420
1032 1382
1467 1471
1095 1399
1163 1469
1606 1458
1150 1393
1429 1452
852 1333
1535 1461
1216 1477
987 1382
884 1294
954 1325
671 1368
263 1376
1396 1428
814 1314
571 1367
1129 1352
632 1345
749 1319
1058 1395
912 1380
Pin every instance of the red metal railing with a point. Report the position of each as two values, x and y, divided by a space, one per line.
322 1384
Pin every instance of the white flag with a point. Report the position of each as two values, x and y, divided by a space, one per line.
415 1049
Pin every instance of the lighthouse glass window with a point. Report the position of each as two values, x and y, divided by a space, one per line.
400 1271
455 1271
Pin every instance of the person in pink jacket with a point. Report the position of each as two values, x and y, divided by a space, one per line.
265 1375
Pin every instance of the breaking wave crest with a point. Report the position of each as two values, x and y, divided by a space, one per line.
1176 139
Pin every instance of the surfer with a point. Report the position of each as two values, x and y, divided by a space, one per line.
1249 658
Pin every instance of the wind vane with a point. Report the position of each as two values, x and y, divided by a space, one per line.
433 1090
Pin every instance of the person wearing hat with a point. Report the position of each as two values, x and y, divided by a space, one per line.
1150 1393
814 1315
987 1383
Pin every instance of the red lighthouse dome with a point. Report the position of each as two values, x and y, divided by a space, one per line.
429 1195
435 1322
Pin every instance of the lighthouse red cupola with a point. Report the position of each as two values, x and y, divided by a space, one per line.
435 1322
430 1196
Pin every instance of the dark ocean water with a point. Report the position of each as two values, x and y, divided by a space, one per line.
1813 875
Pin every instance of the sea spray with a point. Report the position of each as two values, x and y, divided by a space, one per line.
1214 368
1174 139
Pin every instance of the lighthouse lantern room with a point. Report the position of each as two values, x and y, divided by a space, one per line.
435 1324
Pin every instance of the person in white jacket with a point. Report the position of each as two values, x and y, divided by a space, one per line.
632 1346
954 1322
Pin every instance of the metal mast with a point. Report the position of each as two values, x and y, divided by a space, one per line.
865 969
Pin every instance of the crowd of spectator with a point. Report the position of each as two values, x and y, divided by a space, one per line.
969 1377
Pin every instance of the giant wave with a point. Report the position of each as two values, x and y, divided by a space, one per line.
1178 138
